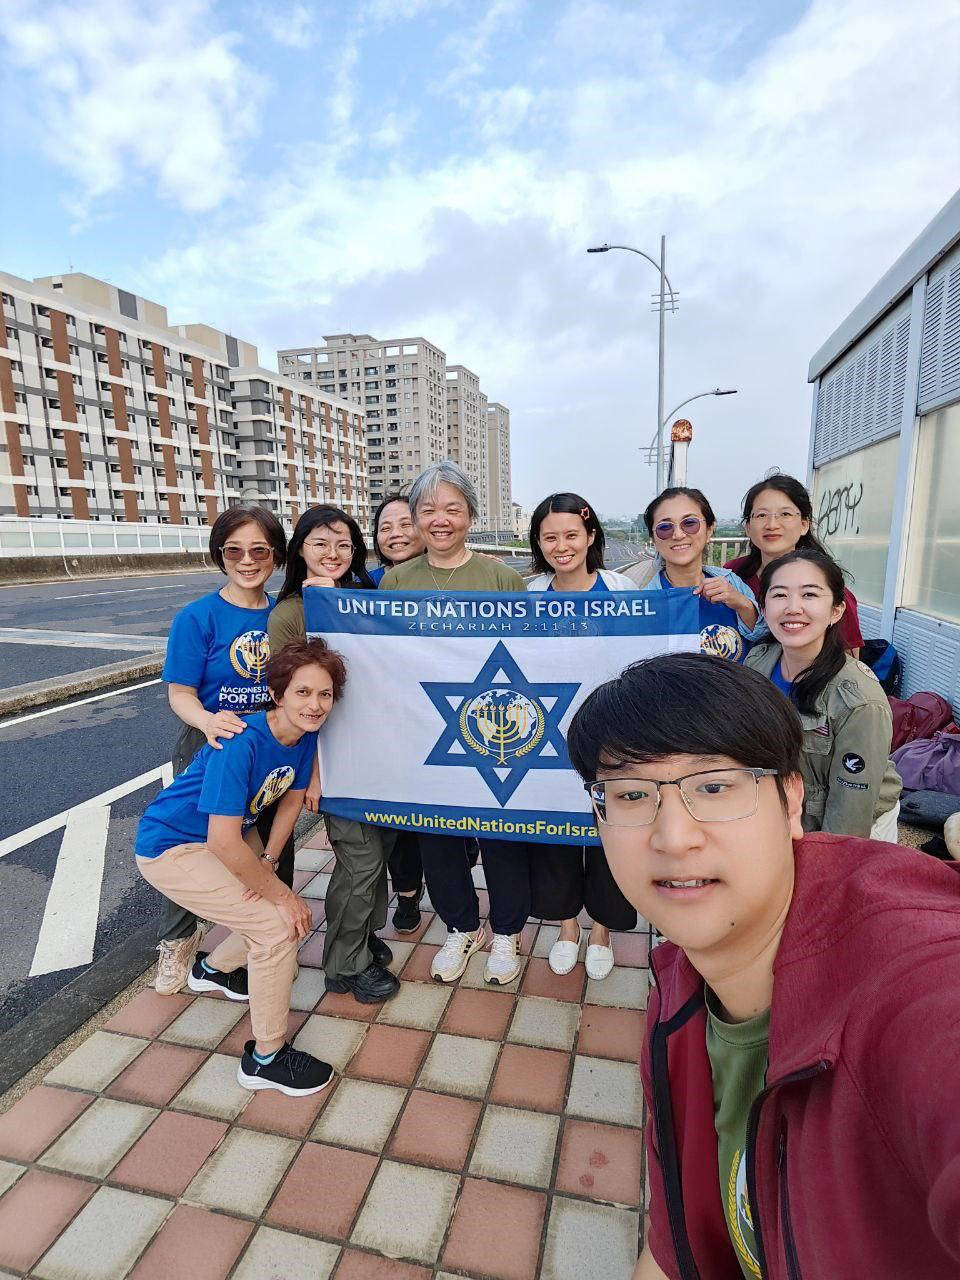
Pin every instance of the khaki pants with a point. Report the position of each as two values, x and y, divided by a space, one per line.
195 878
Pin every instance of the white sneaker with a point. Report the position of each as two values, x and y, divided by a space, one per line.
598 962
176 960
503 962
564 955
451 960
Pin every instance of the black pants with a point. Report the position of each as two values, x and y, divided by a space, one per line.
406 869
565 878
175 921
446 867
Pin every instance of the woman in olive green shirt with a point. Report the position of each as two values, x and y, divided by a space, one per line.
327 550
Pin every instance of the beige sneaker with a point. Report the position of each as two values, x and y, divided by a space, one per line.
176 961
451 960
503 962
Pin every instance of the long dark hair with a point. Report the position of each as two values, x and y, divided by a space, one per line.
391 497
796 493
679 491
570 504
831 658
318 517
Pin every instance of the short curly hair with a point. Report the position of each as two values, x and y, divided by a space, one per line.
286 662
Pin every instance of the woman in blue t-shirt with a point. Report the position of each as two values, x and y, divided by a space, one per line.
566 547
197 844
215 668
681 523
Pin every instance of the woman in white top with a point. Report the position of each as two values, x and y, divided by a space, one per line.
566 544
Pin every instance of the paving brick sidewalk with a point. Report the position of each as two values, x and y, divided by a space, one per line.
474 1131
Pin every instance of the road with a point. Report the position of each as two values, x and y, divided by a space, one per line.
82 773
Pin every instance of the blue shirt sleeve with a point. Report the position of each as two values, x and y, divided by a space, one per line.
187 650
301 779
226 781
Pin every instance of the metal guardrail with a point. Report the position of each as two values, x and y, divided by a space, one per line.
21 536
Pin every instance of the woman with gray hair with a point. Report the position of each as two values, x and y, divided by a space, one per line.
443 503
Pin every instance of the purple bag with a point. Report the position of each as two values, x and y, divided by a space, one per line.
930 764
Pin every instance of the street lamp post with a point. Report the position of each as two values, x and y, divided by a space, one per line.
657 441
665 285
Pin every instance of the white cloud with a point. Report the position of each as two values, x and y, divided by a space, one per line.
125 88
291 25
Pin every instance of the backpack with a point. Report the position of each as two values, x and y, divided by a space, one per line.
931 764
884 661
920 716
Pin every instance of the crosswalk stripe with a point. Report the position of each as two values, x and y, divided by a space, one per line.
69 927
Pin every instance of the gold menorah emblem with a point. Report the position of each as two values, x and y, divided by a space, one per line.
517 723
250 654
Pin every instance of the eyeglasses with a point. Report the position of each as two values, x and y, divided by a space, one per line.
784 517
664 529
342 549
260 555
716 795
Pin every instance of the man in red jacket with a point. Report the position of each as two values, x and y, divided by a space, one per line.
803 1035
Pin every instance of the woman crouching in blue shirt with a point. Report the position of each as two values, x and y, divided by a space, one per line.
197 844
681 523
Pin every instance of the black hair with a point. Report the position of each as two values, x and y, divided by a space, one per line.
319 517
229 521
679 491
391 497
570 504
687 704
831 658
796 493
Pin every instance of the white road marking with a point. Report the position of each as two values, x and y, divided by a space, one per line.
122 591
80 702
12 843
80 639
69 927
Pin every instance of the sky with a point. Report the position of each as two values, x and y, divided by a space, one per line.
284 170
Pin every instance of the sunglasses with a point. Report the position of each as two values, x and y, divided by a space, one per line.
664 529
260 555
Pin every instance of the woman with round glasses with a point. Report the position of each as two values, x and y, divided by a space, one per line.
566 549
778 519
328 550
681 523
215 669
850 785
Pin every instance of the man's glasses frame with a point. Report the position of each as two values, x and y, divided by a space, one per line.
598 799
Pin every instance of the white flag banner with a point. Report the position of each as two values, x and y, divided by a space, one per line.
456 707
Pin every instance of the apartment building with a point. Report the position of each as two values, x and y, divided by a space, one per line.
111 414
499 489
467 430
400 384
297 447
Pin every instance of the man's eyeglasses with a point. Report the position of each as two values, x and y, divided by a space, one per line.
715 795
664 529
260 555
783 517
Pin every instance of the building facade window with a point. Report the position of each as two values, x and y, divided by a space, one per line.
931 583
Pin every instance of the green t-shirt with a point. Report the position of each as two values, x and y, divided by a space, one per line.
738 1054
286 623
480 573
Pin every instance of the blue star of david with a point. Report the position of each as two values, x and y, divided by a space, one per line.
449 697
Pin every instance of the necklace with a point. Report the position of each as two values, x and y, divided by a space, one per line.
226 596
442 586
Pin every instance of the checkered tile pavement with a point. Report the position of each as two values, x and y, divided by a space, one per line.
473 1131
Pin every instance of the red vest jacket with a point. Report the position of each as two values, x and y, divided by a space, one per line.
853 1148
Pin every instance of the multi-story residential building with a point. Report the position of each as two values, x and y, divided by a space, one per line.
499 490
110 414
467 430
401 385
297 446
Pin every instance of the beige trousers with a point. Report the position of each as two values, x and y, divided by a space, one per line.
195 878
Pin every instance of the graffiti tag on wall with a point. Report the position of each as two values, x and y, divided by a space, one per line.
838 513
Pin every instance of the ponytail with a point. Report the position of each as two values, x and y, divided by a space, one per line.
830 661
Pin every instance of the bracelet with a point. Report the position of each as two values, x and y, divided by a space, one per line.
265 857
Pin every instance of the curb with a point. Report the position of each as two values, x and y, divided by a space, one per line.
40 693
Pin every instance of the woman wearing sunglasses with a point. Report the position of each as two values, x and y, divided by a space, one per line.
681 523
215 669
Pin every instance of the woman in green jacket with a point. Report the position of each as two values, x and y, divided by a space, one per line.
850 785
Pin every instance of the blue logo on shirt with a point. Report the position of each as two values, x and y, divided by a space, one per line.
501 724
249 654
720 641
272 788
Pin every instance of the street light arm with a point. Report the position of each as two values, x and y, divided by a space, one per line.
630 249
699 396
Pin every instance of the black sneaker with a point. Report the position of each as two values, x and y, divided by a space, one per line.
382 955
372 986
406 915
233 985
292 1072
